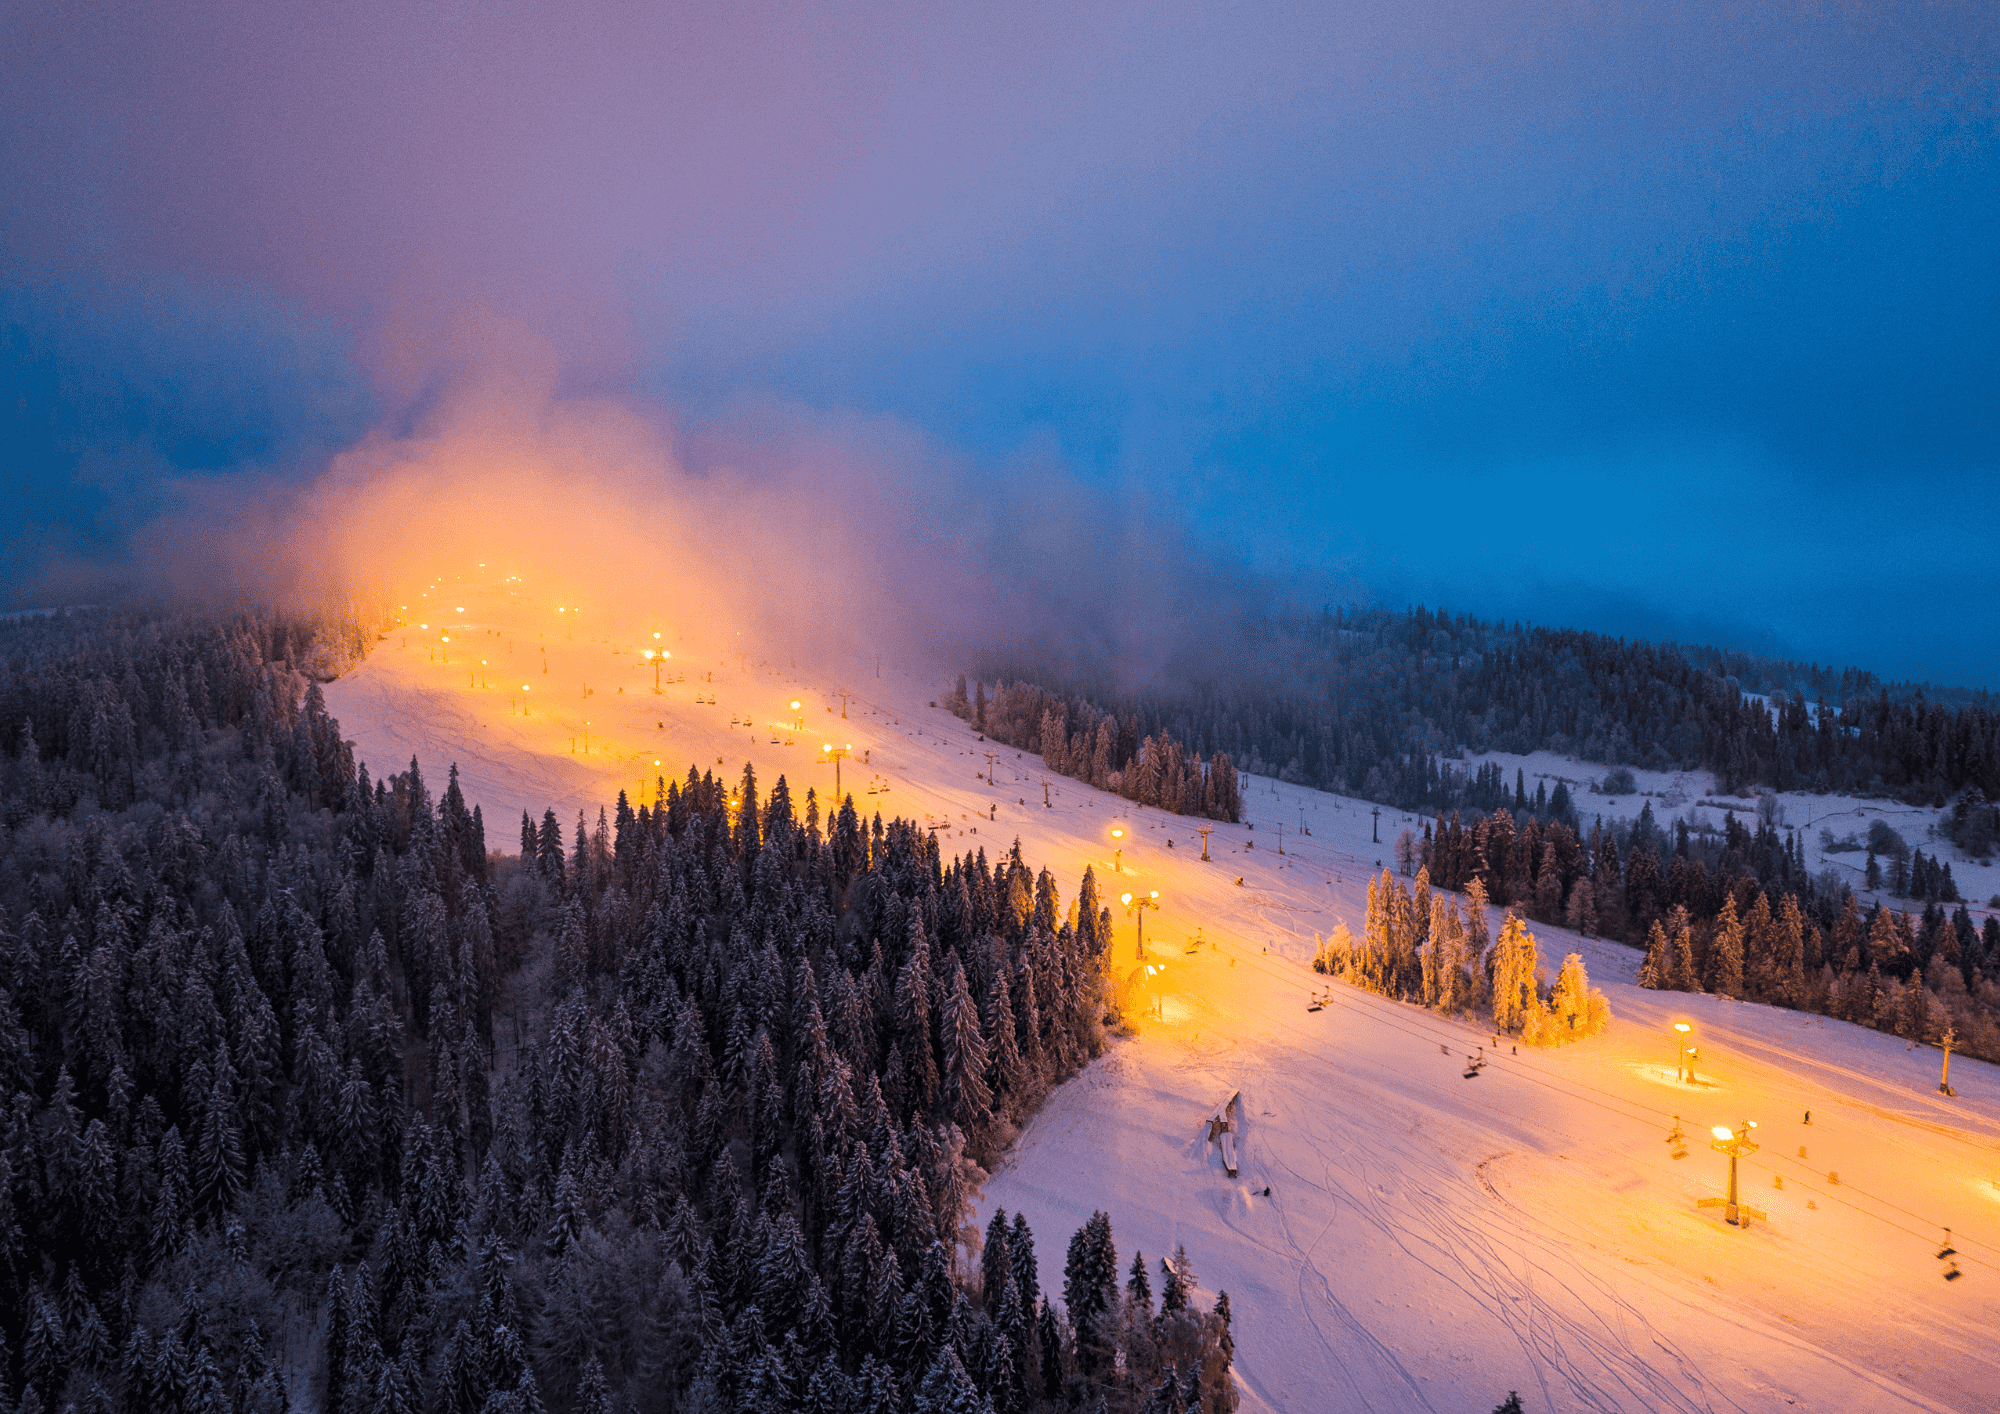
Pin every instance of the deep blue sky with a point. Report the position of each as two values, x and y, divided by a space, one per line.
1678 320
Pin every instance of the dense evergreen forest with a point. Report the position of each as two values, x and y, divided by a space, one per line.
1103 749
310 1099
1377 704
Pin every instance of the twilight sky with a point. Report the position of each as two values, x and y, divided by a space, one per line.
1650 318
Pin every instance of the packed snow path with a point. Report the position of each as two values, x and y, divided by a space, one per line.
1428 1242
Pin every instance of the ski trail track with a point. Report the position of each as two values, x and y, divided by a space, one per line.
1429 1242
1453 1236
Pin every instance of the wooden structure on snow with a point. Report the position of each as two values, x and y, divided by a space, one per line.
1222 1129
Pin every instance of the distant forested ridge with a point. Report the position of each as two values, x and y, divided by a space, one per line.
1074 738
1378 704
309 1099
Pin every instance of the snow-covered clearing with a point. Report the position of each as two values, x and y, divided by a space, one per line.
1428 1242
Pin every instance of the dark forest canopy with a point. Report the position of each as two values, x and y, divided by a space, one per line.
1102 749
1377 703
308 1096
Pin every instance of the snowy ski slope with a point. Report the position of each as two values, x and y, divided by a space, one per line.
1428 1242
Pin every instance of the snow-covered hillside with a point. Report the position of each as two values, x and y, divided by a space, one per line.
1427 1241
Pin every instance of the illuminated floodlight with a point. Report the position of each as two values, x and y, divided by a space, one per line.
461 608
795 706
1682 1027
444 638
1125 899
1723 1131
656 633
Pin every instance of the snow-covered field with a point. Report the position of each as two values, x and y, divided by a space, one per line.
1428 1242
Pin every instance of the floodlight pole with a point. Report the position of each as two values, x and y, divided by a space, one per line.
1136 907
834 753
1377 813
1944 1080
1204 831
1735 1143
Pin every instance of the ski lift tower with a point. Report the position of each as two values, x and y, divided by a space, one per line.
830 752
1377 813
1735 1143
1136 907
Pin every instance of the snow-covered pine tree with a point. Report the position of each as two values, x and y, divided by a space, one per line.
1725 952
967 1097
1514 966
1139 1287
1654 968
1090 1289
1680 970
1577 1009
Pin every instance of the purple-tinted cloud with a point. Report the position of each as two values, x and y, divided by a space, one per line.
1295 265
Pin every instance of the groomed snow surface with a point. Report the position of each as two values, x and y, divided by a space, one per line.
1428 1242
